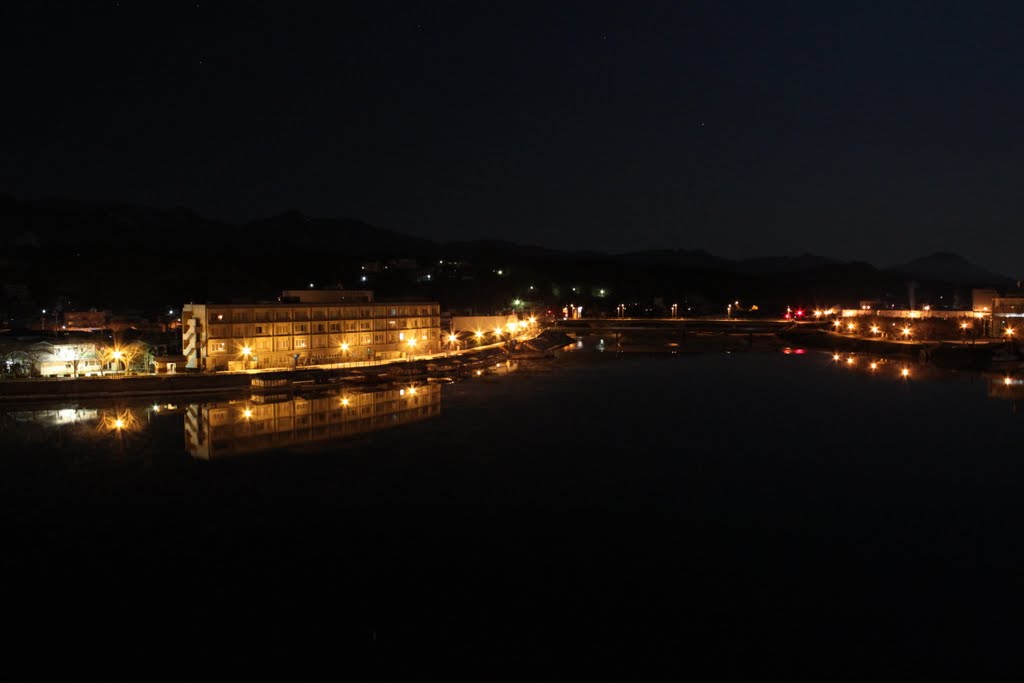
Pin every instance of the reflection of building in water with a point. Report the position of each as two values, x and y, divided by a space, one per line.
217 430
55 417
1006 387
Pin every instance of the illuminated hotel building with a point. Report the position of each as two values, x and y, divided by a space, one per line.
307 327
226 428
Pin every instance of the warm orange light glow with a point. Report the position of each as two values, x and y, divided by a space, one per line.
964 326
905 372
532 320
851 327
119 423
411 343
874 329
837 323
1007 381
497 331
452 338
246 351
479 334
344 401
849 361
1009 332
835 356
247 413
873 366
906 331
412 391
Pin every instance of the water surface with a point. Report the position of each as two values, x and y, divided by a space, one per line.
742 513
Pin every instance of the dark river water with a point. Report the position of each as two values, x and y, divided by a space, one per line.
765 515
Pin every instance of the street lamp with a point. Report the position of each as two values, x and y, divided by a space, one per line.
246 352
412 346
344 352
118 355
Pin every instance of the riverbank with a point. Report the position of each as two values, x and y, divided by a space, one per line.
442 364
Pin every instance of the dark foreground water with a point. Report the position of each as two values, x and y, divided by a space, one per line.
732 515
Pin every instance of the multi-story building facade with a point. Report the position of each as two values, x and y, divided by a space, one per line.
307 328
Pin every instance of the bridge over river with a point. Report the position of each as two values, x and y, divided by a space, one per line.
719 325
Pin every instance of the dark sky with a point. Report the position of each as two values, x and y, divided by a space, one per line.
878 131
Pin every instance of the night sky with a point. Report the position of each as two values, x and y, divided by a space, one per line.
875 131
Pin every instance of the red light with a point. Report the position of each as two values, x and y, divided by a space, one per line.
787 316
799 312
800 352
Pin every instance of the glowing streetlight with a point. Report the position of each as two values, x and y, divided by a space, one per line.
835 357
837 324
117 356
905 372
873 366
247 413
849 361
344 401
119 423
1008 332
851 327
874 329
907 331
1007 381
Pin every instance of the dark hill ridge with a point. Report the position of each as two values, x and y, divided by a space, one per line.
118 254
953 268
